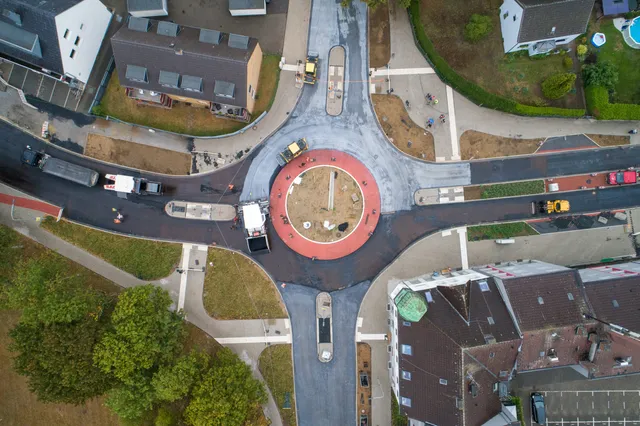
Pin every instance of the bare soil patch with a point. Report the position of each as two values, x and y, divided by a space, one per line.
475 145
309 202
136 155
379 36
364 368
406 135
610 140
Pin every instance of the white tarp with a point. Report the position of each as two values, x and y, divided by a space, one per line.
252 216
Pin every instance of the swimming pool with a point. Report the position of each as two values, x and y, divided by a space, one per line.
634 30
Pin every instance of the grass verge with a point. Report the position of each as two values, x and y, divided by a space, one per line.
504 190
276 366
147 260
184 119
502 230
234 284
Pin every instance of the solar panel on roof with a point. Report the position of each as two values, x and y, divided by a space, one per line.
224 89
167 29
191 83
138 24
238 41
209 36
169 79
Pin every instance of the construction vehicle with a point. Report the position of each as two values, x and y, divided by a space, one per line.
254 218
132 185
550 206
292 151
60 168
622 178
311 69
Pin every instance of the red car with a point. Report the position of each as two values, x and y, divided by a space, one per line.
622 178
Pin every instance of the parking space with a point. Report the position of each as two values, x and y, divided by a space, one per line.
592 407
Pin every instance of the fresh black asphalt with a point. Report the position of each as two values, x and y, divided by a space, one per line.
395 232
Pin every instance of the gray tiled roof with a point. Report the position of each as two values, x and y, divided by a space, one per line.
185 55
246 4
617 301
38 17
540 17
144 5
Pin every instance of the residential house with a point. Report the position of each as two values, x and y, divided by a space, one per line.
450 362
539 26
147 8
61 38
160 63
247 7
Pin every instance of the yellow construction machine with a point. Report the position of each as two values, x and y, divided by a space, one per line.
550 206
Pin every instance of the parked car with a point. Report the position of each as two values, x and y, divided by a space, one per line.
537 409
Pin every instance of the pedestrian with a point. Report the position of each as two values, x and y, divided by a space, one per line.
119 216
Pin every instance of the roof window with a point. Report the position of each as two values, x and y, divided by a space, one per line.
443 382
483 286
406 350
136 73
429 297
406 375
405 401
615 303
570 296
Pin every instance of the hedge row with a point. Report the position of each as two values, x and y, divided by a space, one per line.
472 91
600 107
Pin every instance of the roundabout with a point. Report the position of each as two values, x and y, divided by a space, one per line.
325 204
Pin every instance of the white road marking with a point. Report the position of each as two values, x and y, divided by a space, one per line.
455 149
446 233
289 67
401 71
258 339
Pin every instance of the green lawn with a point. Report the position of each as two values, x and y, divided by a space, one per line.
190 120
147 260
503 230
512 189
234 287
615 50
276 366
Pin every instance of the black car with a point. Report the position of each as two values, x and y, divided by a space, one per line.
537 409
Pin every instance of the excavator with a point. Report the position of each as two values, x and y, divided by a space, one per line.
550 206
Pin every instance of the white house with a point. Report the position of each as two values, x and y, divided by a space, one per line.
61 38
147 8
541 25
247 7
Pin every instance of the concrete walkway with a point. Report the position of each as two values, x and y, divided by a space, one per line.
247 338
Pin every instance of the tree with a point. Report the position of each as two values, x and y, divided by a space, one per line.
558 85
58 360
173 382
582 50
131 401
603 74
145 334
404 3
164 417
226 393
479 26
48 293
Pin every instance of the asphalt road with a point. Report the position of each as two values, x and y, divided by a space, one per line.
144 215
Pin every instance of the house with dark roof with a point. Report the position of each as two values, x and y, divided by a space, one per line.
247 7
160 63
147 8
539 26
451 362
61 38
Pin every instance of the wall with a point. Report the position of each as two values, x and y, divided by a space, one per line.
249 12
253 76
195 102
508 27
88 20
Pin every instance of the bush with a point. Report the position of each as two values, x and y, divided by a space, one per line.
98 110
603 74
600 107
558 85
512 189
473 92
582 52
479 26
567 62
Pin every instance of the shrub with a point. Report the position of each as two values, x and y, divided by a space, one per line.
582 52
567 62
600 107
98 110
603 74
479 26
558 85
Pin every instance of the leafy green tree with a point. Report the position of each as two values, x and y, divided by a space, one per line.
58 360
145 334
164 418
173 382
47 293
582 50
558 85
479 27
404 3
603 74
131 401
226 393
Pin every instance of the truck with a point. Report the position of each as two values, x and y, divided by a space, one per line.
622 177
292 151
133 185
254 219
311 69
550 206
60 168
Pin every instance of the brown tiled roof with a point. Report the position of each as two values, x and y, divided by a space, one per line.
438 341
458 296
497 357
604 364
625 292
486 404
541 301
569 344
